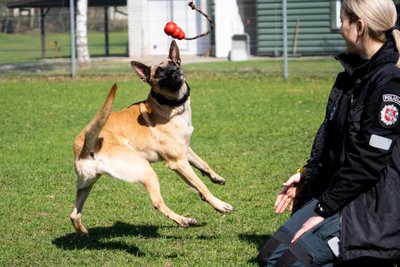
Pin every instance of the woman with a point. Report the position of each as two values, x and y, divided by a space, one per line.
346 199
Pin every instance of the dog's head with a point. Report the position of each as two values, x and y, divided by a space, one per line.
165 78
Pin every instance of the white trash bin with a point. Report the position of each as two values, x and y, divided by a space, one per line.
240 47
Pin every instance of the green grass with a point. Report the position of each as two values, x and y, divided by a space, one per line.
251 127
22 48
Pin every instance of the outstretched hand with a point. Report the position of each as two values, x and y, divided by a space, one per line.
288 194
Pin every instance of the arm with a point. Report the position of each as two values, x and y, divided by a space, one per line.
369 152
302 186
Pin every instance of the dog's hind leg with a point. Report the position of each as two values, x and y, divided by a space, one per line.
126 165
183 168
205 169
76 215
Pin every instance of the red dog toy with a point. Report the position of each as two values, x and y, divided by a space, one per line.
171 29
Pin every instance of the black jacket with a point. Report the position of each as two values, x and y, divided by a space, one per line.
354 166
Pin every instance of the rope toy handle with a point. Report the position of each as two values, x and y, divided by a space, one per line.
212 24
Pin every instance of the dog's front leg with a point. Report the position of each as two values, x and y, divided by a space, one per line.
153 187
183 168
205 169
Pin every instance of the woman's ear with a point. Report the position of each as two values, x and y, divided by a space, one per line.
360 24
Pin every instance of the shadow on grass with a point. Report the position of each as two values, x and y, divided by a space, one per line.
98 238
33 67
258 240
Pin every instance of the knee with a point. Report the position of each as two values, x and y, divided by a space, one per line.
262 259
268 252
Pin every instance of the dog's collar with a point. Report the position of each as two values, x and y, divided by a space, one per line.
168 102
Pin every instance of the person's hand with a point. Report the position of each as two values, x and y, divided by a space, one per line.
310 223
288 193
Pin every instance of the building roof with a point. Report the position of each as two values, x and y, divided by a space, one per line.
60 3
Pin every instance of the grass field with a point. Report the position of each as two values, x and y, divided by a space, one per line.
20 48
253 128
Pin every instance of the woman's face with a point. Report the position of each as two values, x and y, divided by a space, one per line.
349 32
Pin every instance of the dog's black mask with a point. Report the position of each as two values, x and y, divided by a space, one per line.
170 76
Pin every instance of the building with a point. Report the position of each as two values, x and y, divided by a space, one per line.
312 26
146 21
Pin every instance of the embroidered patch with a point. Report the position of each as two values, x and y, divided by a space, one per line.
389 115
391 98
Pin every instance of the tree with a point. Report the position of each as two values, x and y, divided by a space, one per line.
81 33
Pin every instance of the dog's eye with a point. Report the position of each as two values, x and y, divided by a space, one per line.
159 70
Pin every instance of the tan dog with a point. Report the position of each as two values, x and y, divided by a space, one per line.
123 144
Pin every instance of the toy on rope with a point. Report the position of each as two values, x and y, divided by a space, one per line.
171 29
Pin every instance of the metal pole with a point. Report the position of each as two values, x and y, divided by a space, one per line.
42 33
171 14
72 31
106 34
171 10
285 41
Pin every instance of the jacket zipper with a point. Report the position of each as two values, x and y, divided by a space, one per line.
341 226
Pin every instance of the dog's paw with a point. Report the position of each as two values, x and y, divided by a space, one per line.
216 179
222 206
78 226
186 222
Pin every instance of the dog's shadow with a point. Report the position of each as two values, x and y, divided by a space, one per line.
257 240
100 238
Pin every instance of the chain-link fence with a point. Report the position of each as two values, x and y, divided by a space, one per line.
38 39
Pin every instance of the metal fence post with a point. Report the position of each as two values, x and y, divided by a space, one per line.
72 32
285 41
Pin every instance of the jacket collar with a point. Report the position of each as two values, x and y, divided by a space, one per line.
356 67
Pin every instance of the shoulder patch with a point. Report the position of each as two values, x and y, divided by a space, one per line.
391 98
389 116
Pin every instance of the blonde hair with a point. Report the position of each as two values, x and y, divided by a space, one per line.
379 16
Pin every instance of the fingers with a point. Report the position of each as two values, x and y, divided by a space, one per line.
287 194
281 195
282 204
298 234
310 223
281 200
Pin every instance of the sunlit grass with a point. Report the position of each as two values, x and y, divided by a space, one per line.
252 127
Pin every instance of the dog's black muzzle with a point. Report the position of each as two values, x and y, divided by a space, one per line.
170 77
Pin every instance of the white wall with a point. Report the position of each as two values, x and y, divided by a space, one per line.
137 28
228 22
146 21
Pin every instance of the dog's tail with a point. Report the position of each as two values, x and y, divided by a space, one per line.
93 129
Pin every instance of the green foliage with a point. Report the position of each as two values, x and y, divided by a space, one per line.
252 128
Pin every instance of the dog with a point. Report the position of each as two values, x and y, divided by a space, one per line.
123 144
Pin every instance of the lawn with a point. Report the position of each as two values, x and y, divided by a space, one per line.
22 48
251 126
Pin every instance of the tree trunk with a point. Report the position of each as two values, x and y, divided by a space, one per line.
81 32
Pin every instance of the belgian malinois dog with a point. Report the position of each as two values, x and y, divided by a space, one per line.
123 144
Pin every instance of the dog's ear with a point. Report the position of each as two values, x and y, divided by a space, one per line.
174 53
141 70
